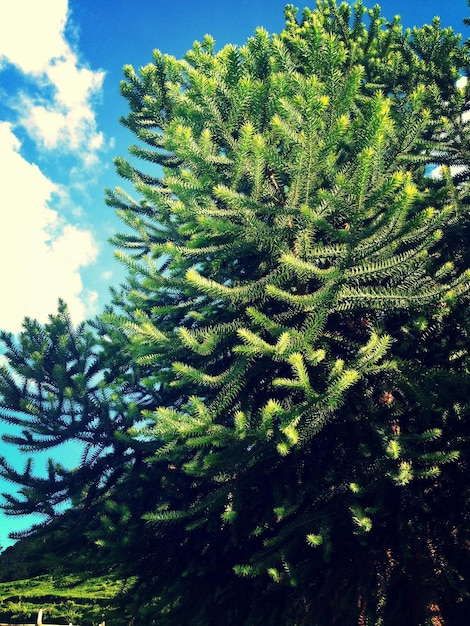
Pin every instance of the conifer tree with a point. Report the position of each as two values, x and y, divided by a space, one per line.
54 391
281 386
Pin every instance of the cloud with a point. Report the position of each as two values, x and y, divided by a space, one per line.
32 33
32 38
40 254
49 100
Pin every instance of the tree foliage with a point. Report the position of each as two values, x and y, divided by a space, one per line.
274 411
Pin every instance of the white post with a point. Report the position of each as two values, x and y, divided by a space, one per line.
39 618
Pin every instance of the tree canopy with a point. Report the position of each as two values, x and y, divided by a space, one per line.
273 411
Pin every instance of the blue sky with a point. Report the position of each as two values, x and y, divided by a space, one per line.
60 66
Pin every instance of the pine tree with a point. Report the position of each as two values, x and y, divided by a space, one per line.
56 390
284 376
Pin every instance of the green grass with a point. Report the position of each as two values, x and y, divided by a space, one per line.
64 599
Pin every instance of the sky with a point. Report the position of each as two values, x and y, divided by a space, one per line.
60 66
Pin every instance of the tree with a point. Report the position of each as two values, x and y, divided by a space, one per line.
284 376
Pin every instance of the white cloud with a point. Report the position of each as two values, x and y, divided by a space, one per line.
32 38
436 173
40 254
32 33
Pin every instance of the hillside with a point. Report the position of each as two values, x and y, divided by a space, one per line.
64 599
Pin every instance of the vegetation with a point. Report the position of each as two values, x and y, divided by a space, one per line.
66 599
274 410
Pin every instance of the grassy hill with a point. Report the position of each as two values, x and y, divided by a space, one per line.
64 599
